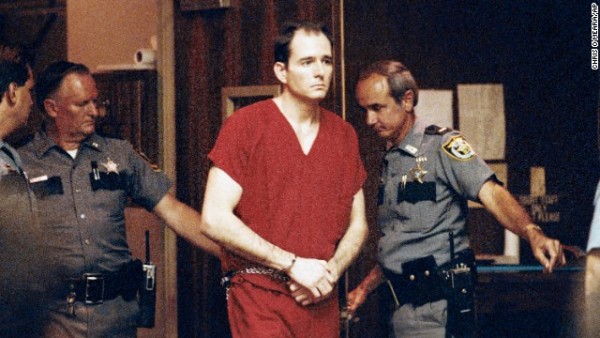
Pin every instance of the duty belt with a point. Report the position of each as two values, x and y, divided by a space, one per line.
423 281
418 284
95 288
252 270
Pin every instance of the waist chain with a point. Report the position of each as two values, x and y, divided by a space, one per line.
252 270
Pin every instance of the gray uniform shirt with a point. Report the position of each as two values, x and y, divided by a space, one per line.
417 216
23 259
19 232
82 201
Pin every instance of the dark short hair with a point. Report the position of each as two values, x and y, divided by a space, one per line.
14 66
50 79
288 29
398 76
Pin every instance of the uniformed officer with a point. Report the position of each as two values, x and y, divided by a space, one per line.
22 256
428 175
83 182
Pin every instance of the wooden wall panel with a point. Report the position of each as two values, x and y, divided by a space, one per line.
197 119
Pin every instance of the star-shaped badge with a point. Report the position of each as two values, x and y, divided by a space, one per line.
6 168
418 172
111 166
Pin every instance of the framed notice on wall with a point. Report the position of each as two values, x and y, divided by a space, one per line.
435 106
234 98
198 5
481 118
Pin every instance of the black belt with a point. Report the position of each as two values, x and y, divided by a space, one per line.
423 281
419 283
417 295
95 288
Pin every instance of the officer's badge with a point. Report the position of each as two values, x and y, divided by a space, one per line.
458 148
6 168
418 172
111 166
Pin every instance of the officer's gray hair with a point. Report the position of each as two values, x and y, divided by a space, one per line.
399 78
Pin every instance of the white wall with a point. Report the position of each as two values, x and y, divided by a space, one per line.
109 32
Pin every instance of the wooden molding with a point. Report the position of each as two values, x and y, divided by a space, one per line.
167 149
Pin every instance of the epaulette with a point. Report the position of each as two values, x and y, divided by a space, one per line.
435 130
154 167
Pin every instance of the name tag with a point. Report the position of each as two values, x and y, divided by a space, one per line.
106 181
38 179
414 192
44 186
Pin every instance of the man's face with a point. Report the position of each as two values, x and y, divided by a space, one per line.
308 72
73 107
24 100
386 116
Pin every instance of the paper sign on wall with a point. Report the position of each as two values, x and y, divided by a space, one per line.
481 118
435 106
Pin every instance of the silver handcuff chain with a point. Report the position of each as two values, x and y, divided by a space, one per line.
251 270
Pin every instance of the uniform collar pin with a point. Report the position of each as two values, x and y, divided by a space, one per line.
6 168
411 149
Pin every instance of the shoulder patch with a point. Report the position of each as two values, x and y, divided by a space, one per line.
152 165
435 130
458 148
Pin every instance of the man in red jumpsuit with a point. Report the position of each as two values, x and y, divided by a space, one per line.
284 198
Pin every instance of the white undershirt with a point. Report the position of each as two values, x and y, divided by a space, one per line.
73 153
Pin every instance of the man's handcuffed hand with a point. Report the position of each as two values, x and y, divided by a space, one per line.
312 280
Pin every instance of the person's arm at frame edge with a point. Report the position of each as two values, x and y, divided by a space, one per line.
186 222
359 295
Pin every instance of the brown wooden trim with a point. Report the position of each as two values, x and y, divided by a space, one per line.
167 150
